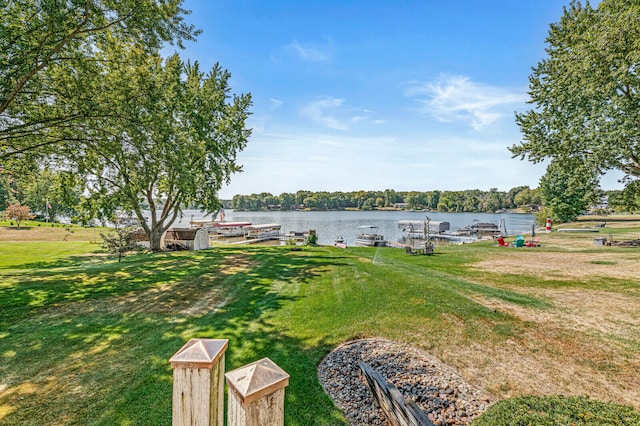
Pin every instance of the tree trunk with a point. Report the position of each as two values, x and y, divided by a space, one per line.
155 234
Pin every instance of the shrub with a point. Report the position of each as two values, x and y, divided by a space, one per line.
121 241
19 213
312 239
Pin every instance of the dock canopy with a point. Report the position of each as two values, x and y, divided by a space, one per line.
264 226
418 226
230 224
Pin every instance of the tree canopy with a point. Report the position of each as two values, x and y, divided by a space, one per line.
585 93
47 44
172 144
473 200
85 92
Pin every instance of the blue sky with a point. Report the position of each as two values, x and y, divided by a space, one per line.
351 95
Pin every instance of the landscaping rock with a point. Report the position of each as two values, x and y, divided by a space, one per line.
434 386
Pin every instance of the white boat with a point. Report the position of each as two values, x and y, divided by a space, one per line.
295 236
418 228
369 237
480 228
267 231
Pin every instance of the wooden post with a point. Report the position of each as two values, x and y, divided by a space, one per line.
198 383
256 394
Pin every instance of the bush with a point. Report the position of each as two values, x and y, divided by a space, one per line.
18 213
120 241
312 239
542 214
557 410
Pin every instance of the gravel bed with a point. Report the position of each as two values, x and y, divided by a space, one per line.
437 389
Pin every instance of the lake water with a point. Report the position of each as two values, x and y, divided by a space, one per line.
332 224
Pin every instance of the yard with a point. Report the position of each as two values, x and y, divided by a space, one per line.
85 339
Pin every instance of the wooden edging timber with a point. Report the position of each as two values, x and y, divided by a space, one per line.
398 410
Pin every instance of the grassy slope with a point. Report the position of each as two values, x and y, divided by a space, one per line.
85 339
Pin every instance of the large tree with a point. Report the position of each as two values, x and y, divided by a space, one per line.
587 105
171 143
46 43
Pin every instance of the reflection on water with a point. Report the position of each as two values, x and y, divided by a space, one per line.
331 225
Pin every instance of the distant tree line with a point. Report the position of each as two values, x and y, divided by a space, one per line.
444 201
61 194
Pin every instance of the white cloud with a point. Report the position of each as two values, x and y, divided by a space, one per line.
275 103
457 98
310 53
321 111
333 113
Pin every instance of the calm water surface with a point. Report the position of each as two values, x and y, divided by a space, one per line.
330 225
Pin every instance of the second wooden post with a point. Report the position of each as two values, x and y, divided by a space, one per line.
256 394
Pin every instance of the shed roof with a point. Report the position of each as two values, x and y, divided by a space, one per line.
180 234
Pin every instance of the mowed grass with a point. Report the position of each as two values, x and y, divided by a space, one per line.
86 340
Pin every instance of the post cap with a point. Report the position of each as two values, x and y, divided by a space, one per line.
253 381
199 353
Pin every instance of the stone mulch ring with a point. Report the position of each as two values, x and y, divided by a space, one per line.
434 386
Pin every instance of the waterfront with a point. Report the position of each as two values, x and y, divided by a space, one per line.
332 224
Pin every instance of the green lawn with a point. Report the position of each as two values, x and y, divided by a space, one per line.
86 340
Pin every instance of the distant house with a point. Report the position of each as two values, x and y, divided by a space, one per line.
603 204
402 206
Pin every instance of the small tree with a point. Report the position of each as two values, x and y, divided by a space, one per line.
568 188
18 213
312 238
121 241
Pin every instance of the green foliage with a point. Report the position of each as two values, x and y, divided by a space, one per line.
176 148
527 197
459 201
557 410
542 215
120 241
7 189
49 62
585 93
43 190
312 239
627 200
53 192
18 213
567 189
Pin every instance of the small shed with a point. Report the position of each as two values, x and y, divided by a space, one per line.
185 239
140 237
601 241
